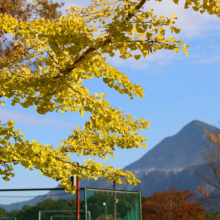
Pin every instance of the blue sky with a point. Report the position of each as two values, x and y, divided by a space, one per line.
178 89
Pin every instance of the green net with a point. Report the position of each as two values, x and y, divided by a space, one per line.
56 204
113 205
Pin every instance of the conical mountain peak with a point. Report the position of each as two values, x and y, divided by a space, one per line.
177 151
196 125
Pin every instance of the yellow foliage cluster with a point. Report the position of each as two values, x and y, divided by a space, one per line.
69 50
51 162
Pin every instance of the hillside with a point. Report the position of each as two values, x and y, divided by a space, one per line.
176 152
170 163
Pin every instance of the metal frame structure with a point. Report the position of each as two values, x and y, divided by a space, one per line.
58 216
41 211
8 217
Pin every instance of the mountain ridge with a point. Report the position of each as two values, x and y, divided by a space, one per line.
166 156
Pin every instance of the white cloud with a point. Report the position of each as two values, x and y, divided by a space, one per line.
206 60
153 63
192 23
69 3
27 119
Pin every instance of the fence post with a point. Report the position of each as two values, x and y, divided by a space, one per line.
78 198
140 206
85 200
114 188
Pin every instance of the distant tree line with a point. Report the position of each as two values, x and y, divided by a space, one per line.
94 204
172 205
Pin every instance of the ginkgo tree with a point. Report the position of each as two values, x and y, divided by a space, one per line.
69 50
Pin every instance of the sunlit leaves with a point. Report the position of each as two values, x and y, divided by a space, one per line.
211 7
52 163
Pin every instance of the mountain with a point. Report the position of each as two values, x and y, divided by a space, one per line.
178 151
170 163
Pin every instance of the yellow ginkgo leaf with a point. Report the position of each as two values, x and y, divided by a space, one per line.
173 16
176 1
137 57
176 50
2 103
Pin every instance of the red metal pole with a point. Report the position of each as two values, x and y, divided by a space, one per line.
77 198
114 187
